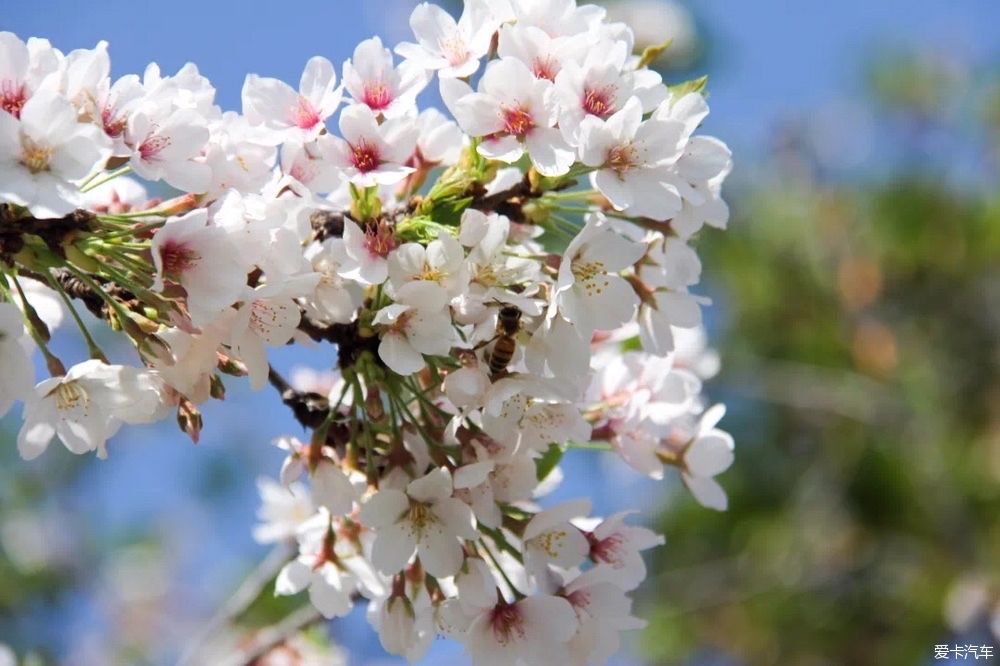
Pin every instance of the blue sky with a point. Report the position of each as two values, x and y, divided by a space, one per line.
768 59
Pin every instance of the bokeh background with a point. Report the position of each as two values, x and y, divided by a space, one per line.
857 315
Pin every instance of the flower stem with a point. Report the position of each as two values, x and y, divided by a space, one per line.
92 347
34 324
93 183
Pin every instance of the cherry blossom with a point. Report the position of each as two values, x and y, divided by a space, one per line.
633 159
290 113
710 452
603 611
617 545
331 577
86 407
514 113
589 291
164 148
481 291
373 81
268 316
425 519
15 357
416 324
43 153
372 154
533 631
201 258
452 48
550 538
283 508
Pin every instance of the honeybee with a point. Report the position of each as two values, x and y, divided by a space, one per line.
508 325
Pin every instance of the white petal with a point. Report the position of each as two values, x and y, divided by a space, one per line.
330 592
440 553
293 578
393 547
710 454
384 508
399 355
457 517
707 491
433 487
549 152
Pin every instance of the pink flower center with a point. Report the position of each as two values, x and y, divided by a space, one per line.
365 156
599 102
152 146
304 114
377 96
380 239
177 258
302 173
112 126
579 599
507 623
454 49
545 68
12 97
608 550
517 121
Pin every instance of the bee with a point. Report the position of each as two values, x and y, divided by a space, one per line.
508 325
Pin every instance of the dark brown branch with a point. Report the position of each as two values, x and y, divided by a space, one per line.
271 637
326 224
310 409
52 231
350 343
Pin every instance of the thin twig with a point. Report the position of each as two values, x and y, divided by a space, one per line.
236 605
267 639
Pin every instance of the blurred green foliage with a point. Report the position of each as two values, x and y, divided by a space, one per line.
860 361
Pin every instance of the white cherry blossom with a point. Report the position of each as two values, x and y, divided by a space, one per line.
452 48
372 154
283 508
709 453
289 113
617 545
373 81
15 358
589 291
633 160
417 323
550 537
45 152
514 113
425 519
164 147
86 407
533 631
200 257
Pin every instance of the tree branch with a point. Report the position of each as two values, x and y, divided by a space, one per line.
236 605
267 639
310 409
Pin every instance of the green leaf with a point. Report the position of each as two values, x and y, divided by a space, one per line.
694 85
651 53
449 211
548 462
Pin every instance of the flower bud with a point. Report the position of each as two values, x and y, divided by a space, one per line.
397 625
189 419
217 389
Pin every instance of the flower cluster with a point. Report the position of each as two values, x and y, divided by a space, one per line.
500 287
